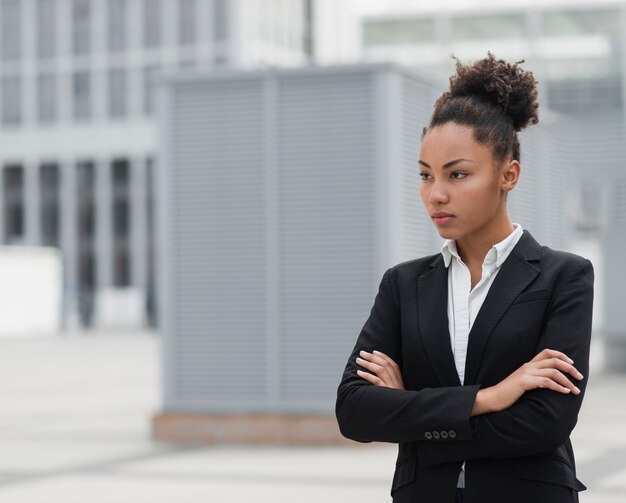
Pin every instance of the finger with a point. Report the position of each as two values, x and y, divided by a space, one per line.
377 381
561 365
385 357
552 353
374 358
377 369
547 383
559 378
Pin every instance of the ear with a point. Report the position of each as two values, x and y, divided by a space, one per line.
509 175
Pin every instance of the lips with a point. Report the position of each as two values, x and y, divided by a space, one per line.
442 217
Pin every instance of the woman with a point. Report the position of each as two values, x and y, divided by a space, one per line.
467 358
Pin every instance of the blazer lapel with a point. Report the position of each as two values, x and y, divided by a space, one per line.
515 274
432 313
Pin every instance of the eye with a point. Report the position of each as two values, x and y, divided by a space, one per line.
423 175
458 175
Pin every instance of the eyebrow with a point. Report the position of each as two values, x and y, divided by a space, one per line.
449 164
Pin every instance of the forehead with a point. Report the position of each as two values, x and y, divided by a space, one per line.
452 141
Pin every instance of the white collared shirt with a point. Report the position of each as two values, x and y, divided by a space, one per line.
464 302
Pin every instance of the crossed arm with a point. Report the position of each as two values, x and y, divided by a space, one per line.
533 410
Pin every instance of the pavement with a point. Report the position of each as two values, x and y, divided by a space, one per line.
75 427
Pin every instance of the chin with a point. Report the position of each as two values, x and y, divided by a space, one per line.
447 233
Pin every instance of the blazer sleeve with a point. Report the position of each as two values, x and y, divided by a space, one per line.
541 420
367 413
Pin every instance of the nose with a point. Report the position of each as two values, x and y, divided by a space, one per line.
437 194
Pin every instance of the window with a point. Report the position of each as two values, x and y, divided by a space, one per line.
85 181
81 18
13 204
11 101
46 98
117 93
11 22
186 22
46 28
49 208
151 23
492 26
578 22
149 75
117 25
81 99
220 26
120 173
398 31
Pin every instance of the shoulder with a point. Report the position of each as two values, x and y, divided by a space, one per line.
563 260
411 269
565 267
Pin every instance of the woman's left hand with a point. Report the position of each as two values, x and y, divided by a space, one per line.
383 371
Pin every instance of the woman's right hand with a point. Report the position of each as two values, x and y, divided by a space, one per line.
546 370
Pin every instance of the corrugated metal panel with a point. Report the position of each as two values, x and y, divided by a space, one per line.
418 235
274 234
326 218
217 244
538 202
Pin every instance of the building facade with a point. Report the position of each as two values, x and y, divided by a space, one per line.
78 130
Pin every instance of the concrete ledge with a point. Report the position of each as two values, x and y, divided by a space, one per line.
264 429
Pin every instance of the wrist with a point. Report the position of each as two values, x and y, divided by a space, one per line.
486 401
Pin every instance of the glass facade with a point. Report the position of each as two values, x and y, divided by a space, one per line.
46 28
13 177
117 93
151 23
398 31
11 100
116 25
120 177
10 10
81 26
186 22
49 186
46 98
81 95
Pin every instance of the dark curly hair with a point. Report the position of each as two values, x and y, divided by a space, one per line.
496 98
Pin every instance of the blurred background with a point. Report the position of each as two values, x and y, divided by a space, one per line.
199 198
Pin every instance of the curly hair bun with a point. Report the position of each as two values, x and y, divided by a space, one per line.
499 83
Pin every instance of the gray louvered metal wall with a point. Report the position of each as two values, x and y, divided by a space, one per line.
286 194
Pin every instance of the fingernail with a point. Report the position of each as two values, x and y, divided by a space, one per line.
580 376
359 359
376 352
363 352
576 389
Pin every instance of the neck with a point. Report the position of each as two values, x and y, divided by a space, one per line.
473 247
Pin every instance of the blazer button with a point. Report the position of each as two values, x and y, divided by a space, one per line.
436 435
452 434
444 434
428 435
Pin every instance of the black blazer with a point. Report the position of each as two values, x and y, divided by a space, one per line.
540 298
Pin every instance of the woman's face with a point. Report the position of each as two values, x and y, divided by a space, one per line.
461 190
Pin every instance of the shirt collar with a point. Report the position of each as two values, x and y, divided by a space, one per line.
501 250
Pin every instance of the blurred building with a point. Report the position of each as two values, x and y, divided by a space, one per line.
576 49
79 136
286 193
